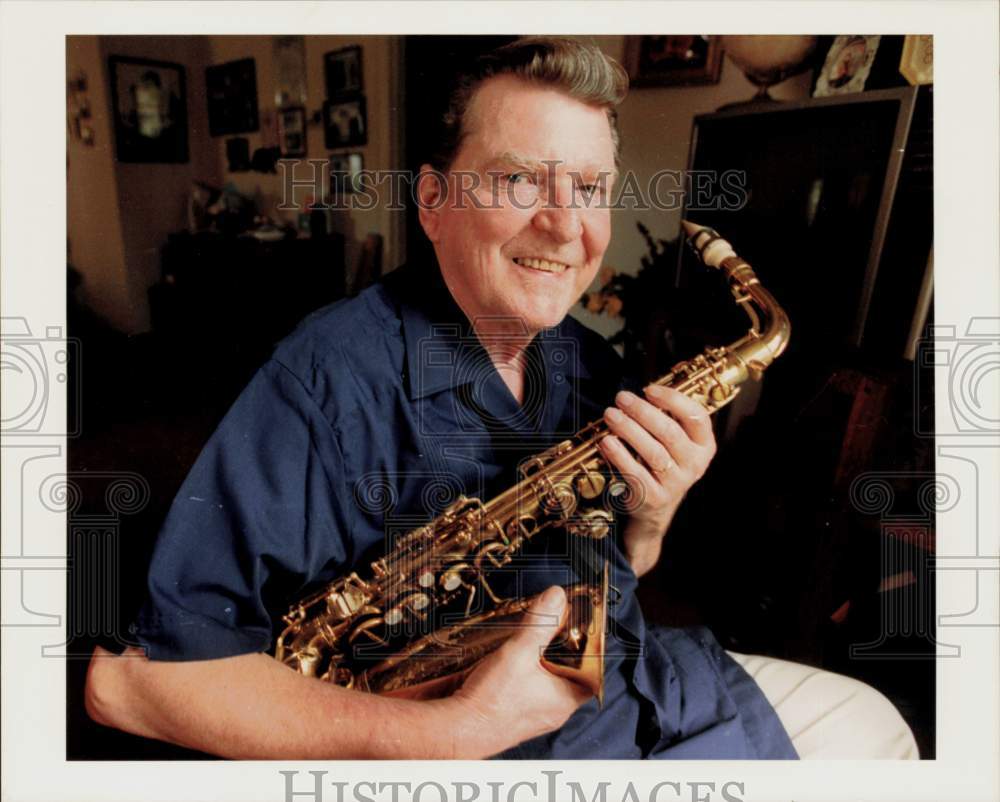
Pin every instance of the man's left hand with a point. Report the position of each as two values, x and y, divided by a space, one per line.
672 444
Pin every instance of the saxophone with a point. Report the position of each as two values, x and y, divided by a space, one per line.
428 613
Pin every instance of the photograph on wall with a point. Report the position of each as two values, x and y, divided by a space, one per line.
292 131
673 60
847 65
343 72
346 122
150 110
232 97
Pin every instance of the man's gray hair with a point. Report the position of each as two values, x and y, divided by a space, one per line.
580 69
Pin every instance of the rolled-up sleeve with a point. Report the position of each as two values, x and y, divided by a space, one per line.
263 512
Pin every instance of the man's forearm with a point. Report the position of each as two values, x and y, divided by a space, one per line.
254 708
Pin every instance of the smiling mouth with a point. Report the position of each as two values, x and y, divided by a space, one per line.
541 264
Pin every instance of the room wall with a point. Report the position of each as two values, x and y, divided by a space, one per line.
655 125
119 214
93 223
153 197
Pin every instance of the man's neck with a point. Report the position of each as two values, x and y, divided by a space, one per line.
507 351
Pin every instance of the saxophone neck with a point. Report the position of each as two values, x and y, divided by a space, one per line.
770 328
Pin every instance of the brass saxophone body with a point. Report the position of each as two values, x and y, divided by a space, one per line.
428 612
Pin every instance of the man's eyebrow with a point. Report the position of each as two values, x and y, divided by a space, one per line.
596 171
512 159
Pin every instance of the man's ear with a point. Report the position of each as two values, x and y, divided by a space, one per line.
432 192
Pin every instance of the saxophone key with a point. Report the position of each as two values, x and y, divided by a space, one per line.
560 499
344 604
595 524
590 484
368 629
524 526
497 554
617 488
452 579
720 392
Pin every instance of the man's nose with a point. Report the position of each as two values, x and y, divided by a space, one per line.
558 215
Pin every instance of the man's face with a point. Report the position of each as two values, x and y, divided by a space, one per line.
530 238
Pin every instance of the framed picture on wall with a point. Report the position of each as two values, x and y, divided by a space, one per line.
232 97
673 60
343 72
292 131
847 66
149 99
345 122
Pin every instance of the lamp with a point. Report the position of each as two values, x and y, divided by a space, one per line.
769 60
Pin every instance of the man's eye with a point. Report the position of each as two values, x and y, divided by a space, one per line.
517 178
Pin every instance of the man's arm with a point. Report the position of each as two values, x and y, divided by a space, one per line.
252 707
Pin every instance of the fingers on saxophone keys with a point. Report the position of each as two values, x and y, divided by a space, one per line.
692 416
656 438
640 481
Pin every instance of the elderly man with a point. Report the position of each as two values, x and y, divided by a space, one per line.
454 371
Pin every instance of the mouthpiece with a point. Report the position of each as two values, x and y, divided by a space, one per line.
707 244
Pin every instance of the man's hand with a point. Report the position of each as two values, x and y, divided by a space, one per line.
673 443
510 697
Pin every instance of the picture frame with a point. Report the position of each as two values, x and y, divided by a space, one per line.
847 66
231 89
149 105
673 60
345 173
289 71
343 72
292 130
345 122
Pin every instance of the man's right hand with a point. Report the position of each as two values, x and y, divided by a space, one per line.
510 697
252 707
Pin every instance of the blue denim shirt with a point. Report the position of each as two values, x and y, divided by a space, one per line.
367 421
